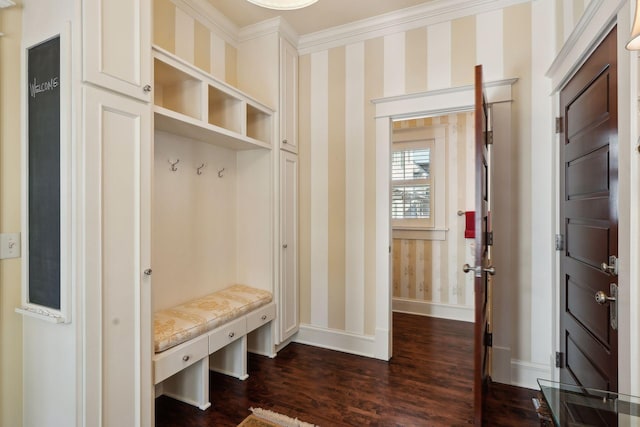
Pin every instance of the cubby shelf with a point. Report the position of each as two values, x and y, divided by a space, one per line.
191 103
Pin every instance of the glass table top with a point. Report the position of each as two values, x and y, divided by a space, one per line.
575 406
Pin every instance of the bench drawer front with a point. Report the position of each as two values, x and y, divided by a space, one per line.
261 316
176 359
226 334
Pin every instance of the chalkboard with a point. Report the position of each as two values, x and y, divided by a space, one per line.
43 86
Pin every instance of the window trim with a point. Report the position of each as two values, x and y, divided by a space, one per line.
433 137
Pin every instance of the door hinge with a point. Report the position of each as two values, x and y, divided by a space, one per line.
559 125
489 136
559 359
490 238
488 339
559 242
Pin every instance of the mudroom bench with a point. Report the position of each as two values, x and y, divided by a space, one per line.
213 332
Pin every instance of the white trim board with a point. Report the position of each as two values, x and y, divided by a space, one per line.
361 345
401 20
426 308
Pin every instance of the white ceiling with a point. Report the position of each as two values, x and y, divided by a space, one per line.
319 16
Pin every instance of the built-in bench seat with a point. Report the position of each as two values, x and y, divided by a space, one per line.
212 332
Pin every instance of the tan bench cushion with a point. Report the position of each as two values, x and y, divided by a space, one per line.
178 324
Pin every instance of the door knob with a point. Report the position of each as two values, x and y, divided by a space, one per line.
611 267
602 298
491 270
475 270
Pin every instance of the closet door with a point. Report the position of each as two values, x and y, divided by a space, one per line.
288 304
288 97
116 45
116 223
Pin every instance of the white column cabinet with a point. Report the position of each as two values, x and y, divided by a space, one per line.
288 97
116 45
288 165
288 304
116 307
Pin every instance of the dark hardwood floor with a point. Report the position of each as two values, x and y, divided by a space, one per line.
426 383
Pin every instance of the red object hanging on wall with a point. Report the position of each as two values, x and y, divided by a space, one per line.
470 225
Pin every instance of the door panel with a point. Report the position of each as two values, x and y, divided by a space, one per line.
117 298
116 43
588 214
482 299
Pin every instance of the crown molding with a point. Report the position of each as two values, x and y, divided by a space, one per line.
275 25
594 25
204 12
402 20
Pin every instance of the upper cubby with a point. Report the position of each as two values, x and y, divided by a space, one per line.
192 103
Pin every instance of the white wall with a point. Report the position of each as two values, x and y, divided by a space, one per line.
194 220
50 361
10 168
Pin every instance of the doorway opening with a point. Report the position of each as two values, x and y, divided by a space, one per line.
432 191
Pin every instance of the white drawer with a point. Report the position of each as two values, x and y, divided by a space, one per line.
226 334
177 358
261 316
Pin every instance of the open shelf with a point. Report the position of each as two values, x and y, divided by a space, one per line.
177 91
194 104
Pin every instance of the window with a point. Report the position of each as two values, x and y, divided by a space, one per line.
412 184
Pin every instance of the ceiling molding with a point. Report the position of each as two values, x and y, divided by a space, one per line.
204 12
275 25
402 20
596 22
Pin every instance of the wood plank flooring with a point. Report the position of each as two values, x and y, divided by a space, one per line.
427 383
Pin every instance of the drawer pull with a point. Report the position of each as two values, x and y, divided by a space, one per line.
185 358
232 334
264 317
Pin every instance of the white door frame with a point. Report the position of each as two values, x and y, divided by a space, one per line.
425 104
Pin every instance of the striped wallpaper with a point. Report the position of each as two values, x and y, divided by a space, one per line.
183 33
337 159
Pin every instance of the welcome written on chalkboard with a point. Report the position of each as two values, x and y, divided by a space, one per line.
36 88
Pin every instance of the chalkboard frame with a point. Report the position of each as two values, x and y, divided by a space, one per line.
58 313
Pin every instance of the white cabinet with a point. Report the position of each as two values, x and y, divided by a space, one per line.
288 304
288 97
116 42
193 104
116 309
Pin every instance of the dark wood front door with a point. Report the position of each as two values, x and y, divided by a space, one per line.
482 268
589 221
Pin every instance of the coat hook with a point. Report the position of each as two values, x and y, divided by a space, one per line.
199 169
173 165
220 174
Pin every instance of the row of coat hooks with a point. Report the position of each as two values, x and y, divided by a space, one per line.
198 168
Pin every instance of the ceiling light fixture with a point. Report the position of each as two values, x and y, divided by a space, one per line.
634 43
283 4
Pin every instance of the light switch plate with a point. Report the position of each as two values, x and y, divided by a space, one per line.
9 245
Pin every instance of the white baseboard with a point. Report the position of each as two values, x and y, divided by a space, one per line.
434 309
516 372
525 374
501 365
361 345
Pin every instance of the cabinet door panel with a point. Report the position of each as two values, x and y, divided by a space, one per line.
117 45
288 97
117 316
288 307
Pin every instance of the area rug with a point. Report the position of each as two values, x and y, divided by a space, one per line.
266 418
